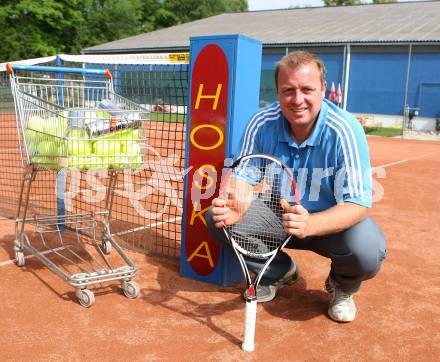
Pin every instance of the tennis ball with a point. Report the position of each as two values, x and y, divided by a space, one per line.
78 142
135 161
78 163
55 126
32 148
34 130
62 148
106 147
79 147
131 148
47 148
128 134
119 161
35 123
134 133
111 135
103 163
77 133
46 163
101 115
31 136
93 162
121 134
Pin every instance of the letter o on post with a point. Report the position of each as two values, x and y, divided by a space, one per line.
206 148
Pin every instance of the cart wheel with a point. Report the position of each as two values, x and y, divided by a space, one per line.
19 258
131 289
106 247
85 297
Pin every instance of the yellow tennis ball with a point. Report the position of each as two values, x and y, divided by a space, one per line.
106 147
30 136
35 123
47 148
55 126
105 162
94 162
120 161
79 147
78 163
131 148
46 163
135 161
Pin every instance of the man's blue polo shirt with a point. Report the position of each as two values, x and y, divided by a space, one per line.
330 167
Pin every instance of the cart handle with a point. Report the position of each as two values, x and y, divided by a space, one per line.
40 68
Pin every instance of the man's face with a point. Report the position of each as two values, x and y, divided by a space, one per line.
300 93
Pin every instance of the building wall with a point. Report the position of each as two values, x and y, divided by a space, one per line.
424 82
332 57
377 81
381 79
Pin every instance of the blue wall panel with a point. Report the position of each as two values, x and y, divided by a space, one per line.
267 85
377 80
377 83
269 60
424 84
333 63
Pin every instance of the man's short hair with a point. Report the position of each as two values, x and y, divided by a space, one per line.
300 57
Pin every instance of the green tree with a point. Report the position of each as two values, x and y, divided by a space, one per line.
191 10
340 2
153 14
36 28
108 20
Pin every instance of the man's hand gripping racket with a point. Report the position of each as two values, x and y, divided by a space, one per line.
253 189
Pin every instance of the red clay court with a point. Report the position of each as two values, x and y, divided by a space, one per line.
176 318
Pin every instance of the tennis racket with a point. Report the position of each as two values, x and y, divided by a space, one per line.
253 188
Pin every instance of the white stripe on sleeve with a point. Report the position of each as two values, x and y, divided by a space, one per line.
352 148
254 125
350 174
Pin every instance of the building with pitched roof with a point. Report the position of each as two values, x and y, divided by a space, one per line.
385 56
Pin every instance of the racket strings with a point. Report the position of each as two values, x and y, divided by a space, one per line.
258 186
260 230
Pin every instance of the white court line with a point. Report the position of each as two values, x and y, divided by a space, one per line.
403 161
147 226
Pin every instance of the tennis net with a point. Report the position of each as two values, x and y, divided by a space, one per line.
147 206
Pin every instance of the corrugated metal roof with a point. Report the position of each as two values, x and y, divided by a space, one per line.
415 22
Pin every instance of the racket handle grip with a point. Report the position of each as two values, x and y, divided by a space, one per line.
250 318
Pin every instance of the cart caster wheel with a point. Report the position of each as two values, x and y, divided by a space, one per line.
131 289
106 247
19 258
85 297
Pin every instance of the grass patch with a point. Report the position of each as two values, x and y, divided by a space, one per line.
383 131
167 117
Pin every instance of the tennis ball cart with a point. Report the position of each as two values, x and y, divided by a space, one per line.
70 122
